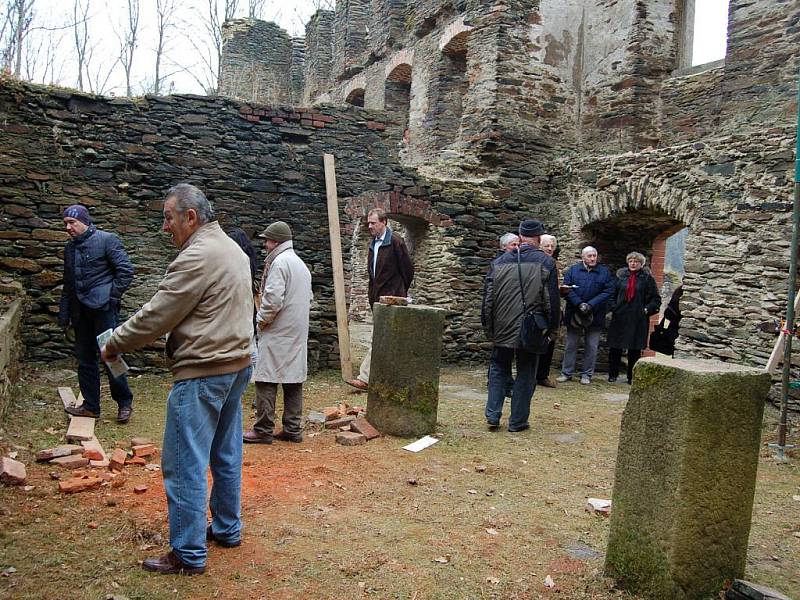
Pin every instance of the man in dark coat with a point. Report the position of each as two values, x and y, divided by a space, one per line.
390 273
97 271
502 309
585 314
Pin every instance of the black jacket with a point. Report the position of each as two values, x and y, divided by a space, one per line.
502 298
394 272
630 324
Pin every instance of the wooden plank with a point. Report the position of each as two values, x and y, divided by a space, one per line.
80 429
67 397
342 325
776 357
79 401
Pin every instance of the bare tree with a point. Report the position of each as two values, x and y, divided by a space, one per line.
165 14
17 17
255 9
98 73
80 29
211 56
128 42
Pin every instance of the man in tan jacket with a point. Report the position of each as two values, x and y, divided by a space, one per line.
204 304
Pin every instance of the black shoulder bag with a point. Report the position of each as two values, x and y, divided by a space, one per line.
533 323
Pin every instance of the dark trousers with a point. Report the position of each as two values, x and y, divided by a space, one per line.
545 360
266 393
88 325
524 386
615 359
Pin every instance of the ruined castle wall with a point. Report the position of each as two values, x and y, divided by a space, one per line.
692 106
259 63
389 23
318 55
350 37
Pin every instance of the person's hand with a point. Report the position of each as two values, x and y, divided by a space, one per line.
585 308
107 356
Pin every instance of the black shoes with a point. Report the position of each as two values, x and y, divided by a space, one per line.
80 411
210 537
170 564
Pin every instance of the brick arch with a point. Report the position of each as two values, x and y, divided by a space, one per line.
395 204
611 197
400 65
356 83
454 37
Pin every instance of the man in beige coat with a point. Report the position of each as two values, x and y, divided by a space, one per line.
204 304
282 338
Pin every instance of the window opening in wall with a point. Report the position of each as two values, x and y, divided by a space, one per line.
356 97
706 35
453 85
397 100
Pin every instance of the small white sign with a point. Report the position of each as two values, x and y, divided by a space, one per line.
421 444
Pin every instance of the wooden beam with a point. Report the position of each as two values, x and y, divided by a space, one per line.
67 397
80 429
777 351
342 324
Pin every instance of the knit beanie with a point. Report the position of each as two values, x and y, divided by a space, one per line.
79 212
279 231
531 228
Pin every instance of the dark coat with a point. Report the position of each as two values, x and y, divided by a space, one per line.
97 271
394 272
502 299
595 287
630 321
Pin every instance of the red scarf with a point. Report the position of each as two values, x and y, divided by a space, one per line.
630 291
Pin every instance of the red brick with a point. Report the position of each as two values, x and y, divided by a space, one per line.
12 471
336 423
144 450
117 460
50 453
278 120
318 124
364 427
140 441
76 484
348 438
140 489
70 462
135 460
331 413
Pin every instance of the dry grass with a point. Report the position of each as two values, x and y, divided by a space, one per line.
479 515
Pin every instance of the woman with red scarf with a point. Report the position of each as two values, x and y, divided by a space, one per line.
636 299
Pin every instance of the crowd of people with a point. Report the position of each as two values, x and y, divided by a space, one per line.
527 277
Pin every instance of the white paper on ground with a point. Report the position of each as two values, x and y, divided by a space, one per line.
421 444
117 367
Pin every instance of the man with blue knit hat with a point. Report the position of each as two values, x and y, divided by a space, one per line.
525 277
97 272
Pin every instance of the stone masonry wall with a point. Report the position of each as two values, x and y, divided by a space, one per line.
318 55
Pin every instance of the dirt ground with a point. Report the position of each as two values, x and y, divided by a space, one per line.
481 514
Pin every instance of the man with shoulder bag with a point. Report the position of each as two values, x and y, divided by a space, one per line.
519 314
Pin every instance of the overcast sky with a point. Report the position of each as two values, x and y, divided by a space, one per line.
188 42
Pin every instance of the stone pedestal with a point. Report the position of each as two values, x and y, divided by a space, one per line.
685 477
404 373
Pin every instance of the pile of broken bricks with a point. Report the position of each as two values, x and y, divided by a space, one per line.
83 456
352 427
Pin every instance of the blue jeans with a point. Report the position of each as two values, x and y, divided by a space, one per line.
524 386
88 324
204 428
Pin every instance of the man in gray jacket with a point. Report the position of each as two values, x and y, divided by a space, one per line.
531 272
205 305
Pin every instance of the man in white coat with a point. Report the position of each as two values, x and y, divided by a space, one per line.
282 338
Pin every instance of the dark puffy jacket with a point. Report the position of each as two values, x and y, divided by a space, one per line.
394 272
502 299
97 271
630 321
595 287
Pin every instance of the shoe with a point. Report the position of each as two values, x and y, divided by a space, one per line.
612 379
210 537
493 424
358 384
520 428
251 437
124 414
547 382
562 378
288 437
79 411
585 380
170 564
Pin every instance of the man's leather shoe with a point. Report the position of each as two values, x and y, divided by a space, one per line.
251 437
287 437
79 411
547 382
170 564
358 384
124 414
210 537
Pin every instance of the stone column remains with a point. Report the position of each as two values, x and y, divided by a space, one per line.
685 477
404 373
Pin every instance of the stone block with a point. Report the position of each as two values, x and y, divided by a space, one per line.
404 374
70 462
140 441
350 438
685 477
12 472
117 460
336 423
79 484
362 426
51 453
745 590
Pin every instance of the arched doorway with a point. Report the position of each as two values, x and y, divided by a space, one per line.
356 97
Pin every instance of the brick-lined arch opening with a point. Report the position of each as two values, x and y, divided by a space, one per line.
397 100
416 221
356 97
657 235
452 85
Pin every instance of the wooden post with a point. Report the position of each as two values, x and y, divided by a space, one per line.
342 325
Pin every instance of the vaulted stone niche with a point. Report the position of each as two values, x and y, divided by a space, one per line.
397 99
356 97
452 85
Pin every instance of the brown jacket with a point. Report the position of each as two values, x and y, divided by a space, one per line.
394 272
204 303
